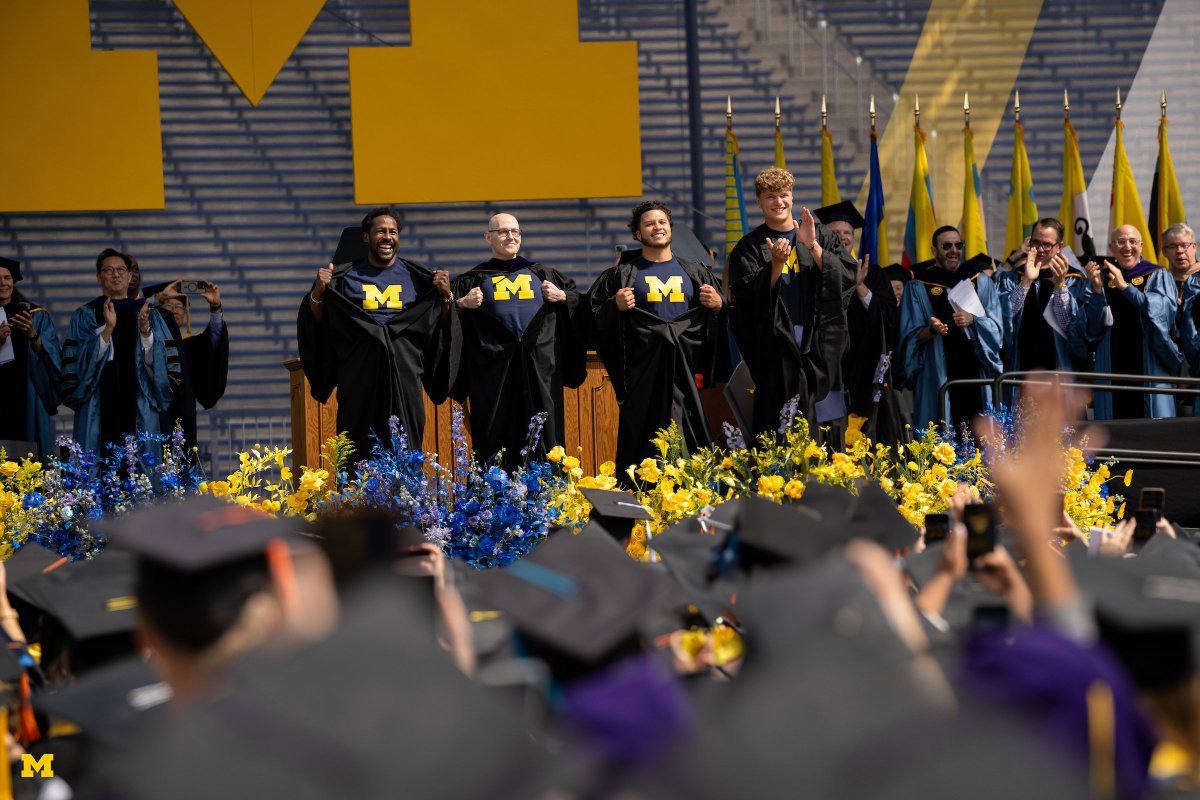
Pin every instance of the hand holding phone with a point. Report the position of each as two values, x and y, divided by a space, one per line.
937 528
980 522
192 287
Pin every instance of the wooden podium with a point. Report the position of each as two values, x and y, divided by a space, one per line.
590 420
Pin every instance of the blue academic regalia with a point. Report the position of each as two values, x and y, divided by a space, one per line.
41 376
924 365
1154 298
1188 331
1071 352
83 367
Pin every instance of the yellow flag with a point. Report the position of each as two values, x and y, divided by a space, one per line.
1125 207
1022 208
780 161
829 187
974 229
1073 210
1166 204
736 222
921 222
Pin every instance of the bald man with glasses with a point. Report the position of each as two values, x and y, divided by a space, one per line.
943 340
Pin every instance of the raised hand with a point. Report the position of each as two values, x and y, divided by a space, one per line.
110 317
212 293
324 278
144 319
1118 278
441 282
1092 270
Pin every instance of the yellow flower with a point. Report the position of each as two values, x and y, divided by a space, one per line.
946 489
939 472
794 489
770 484
569 463
814 450
556 454
912 466
9 468
219 488
726 463
298 502
1121 512
1128 476
270 506
285 474
648 471
608 468
661 444
944 453
576 473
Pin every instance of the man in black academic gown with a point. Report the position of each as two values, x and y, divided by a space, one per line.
655 322
790 283
873 319
204 356
378 329
519 347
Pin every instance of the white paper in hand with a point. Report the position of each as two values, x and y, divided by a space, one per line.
6 350
963 298
1052 320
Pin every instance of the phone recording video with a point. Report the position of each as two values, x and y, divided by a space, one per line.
1145 522
1153 497
980 521
937 528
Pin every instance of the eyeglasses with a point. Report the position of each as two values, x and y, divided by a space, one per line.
1125 242
505 233
948 246
1041 245
114 271
1178 248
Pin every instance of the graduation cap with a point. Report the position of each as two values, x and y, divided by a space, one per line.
840 212
198 533
13 266
1148 612
350 246
615 510
897 272
111 703
872 514
580 593
977 264
90 598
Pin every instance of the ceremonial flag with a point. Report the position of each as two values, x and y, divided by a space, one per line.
1022 208
874 243
829 187
1125 207
974 229
1073 209
1166 204
921 222
736 221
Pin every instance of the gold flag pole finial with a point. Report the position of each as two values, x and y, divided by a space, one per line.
872 113
1118 104
824 113
1162 102
917 108
967 109
728 112
1066 106
776 112
1017 106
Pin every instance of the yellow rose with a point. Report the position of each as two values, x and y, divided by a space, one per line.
944 453
648 471
298 502
608 468
794 489
939 472
556 454
9 468
770 484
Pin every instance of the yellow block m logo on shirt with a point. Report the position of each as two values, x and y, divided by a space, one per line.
503 287
672 287
43 766
389 297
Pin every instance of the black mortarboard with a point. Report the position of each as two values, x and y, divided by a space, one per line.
840 212
350 246
29 560
897 272
198 533
13 266
615 511
90 598
1148 611
976 264
872 514
579 593
111 702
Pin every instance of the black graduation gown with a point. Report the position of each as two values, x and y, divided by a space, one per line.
873 330
781 367
653 364
966 402
204 370
509 379
379 369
